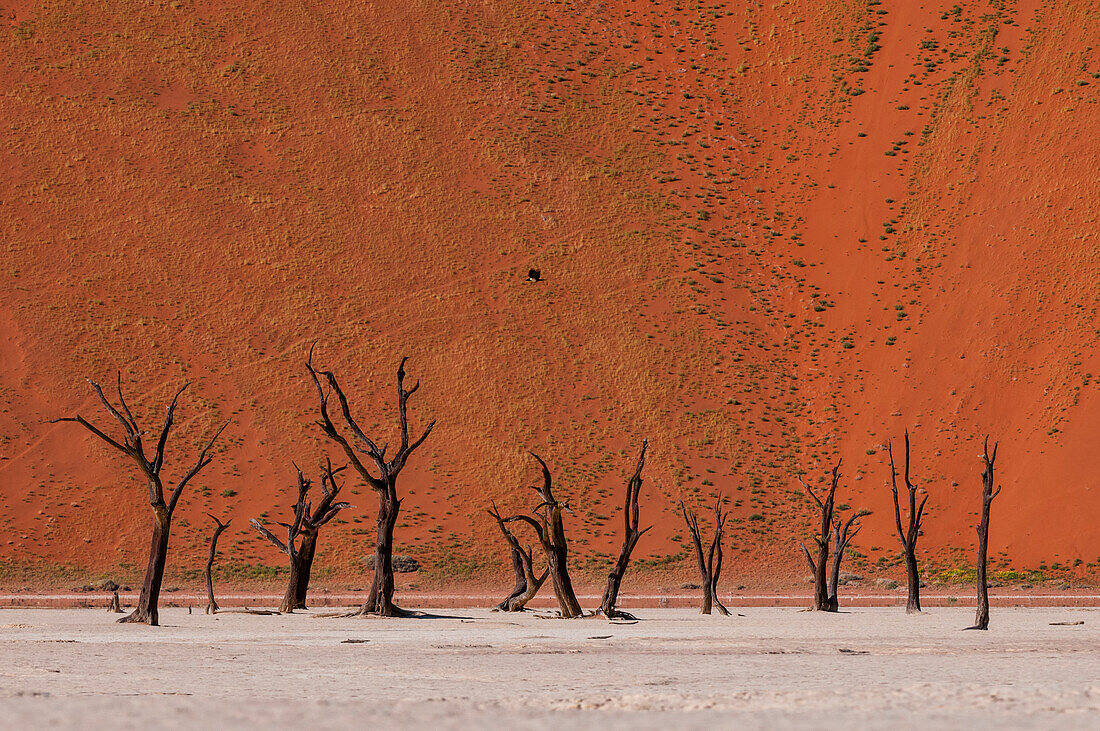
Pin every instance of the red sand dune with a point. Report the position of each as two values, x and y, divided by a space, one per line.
772 235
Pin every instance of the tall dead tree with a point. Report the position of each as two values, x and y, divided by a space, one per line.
981 617
163 509
301 535
527 583
380 599
219 528
551 532
908 535
822 601
710 566
631 534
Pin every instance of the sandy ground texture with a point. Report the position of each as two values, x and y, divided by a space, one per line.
766 668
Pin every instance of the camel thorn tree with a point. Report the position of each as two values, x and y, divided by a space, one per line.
380 600
219 528
527 583
710 567
551 533
842 534
164 507
822 601
981 617
911 531
631 534
308 522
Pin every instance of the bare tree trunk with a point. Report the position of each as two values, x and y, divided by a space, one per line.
912 573
163 509
531 586
841 537
820 567
115 606
306 551
146 611
631 534
380 599
908 536
527 584
558 559
710 565
520 587
301 535
981 617
290 596
716 570
211 605
551 532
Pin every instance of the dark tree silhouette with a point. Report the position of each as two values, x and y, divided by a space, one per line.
163 509
981 617
710 566
822 601
219 528
631 534
527 583
380 599
842 534
551 532
308 522
908 535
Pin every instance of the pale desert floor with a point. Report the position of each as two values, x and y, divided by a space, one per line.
771 668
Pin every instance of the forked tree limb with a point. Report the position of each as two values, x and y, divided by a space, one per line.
709 563
133 447
550 529
909 533
822 601
211 604
301 533
383 478
631 534
842 534
527 582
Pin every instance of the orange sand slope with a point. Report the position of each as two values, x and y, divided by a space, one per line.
772 235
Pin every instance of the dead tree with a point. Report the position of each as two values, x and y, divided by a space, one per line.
551 532
981 617
710 567
822 601
841 536
527 583
908 535
163 509
308 522
631 534
219 528
380 599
